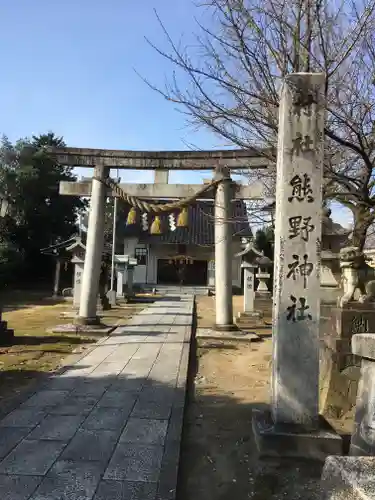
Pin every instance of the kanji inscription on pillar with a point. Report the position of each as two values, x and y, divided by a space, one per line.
297 255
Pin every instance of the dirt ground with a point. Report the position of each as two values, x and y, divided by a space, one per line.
219 460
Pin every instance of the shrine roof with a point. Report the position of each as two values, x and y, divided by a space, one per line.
200 229
66 247
60 247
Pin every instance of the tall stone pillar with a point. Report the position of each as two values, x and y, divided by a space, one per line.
223 252
296 312
94 250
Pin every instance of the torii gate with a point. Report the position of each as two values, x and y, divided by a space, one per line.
161 162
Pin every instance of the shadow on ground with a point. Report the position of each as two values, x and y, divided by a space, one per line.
29 340
218 456
218 461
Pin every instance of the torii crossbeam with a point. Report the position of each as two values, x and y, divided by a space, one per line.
169 160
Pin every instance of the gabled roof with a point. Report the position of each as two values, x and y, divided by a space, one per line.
58 248
200 230
67 246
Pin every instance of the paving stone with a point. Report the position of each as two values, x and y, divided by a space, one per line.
10 437
133 372
158 392
145 431
91 445
122 354
125 490
69 480
92 389
23 418
124 383
57 427
44 398
135 462
145 408
18 487
78 405
107 418
167 483
118 399
61 383
107 369
31 457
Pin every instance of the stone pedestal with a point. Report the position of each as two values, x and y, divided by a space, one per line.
112 297
339 366
294 440
363 438
248 291
120 282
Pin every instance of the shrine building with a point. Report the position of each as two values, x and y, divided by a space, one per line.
182 255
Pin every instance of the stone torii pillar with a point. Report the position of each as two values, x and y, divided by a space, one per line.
223 252
94 250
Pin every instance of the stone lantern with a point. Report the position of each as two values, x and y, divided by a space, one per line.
125 265
264 266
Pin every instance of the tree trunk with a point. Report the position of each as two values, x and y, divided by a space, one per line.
362 221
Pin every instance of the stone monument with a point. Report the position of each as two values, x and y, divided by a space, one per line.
293 427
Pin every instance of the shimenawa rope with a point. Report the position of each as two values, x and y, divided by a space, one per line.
145 206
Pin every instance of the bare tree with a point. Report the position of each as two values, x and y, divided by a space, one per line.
235 71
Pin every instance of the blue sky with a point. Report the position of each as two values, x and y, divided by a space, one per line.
68 66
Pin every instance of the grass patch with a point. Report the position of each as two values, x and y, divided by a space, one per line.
36 352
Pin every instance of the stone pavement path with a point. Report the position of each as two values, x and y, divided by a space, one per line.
108 427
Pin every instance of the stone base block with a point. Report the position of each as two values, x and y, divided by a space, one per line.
210 334
349 478
250 314
232 327
98 329
83 320
287 440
